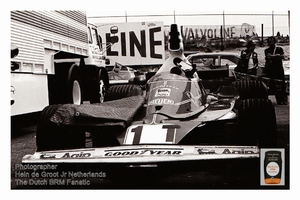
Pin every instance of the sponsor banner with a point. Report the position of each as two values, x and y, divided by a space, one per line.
190 33
199 32
144 154
138 43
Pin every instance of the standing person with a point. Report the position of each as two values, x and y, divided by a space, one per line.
249 58
274 70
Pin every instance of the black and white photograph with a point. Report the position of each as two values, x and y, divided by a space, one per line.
149 99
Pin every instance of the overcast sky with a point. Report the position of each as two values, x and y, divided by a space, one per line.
153 7
200 17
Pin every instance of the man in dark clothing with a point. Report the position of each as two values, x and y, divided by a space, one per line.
274 70
249 58
249 61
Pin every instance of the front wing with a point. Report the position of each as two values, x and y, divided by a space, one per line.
143 154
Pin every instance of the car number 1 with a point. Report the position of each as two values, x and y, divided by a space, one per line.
151 134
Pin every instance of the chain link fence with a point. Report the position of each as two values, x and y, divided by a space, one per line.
269 23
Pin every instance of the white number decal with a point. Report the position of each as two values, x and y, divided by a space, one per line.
151 134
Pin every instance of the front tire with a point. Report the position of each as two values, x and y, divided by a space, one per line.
51 136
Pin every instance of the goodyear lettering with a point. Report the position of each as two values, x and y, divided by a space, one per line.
142 152
240 151
76 155
120 153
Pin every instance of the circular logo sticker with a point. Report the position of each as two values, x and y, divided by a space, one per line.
272 168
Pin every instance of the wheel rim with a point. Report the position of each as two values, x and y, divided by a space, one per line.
101 90
76 93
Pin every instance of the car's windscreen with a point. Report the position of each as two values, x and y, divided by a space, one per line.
174 97
121 75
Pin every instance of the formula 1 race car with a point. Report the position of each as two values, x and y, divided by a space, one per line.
173 119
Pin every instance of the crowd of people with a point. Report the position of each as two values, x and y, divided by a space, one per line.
273 67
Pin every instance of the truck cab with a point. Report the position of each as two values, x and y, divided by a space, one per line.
96 48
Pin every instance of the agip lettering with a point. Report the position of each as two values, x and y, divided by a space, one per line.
237 151
76 155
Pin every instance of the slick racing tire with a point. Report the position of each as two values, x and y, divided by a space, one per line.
50 136
257 123
121 91
251 89
65 86
99 87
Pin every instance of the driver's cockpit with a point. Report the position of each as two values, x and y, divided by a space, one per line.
175 95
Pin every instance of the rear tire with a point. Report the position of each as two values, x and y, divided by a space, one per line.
50 136
121 91
251 89
257 123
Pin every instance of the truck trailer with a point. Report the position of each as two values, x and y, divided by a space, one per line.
60 60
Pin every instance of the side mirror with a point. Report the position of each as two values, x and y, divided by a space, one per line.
139 80
117 68
227 92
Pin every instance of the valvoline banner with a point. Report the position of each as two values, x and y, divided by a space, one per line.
201 32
